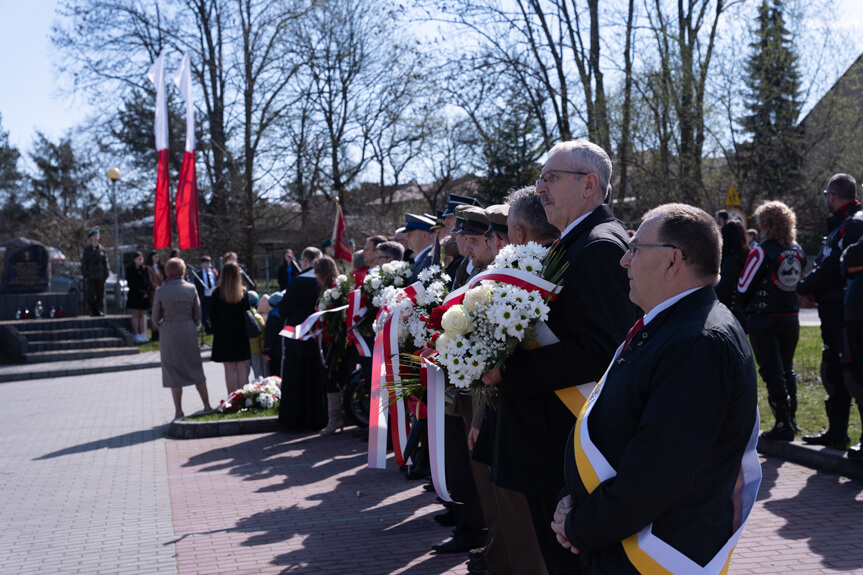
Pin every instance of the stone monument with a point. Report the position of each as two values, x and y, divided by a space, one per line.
26 268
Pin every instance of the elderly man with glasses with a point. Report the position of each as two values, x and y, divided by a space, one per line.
538 397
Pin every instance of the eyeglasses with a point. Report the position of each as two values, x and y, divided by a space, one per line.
828 192
551 176
385 258
633 248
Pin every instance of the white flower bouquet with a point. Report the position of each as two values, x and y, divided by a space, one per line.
390 274
261 394
495 317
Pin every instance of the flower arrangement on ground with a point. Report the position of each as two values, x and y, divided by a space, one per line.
495 317
262 394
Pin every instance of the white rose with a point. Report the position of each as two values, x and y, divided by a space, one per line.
475 298
399 281
457 320
442 341
376 283
387 268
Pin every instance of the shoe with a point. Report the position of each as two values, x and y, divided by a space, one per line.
855 453
178 416
780 432
418 473
828 439
429 487
208 410
101 314
446 519
477 566
458 544
478 553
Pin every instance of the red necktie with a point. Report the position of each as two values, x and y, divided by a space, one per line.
633 330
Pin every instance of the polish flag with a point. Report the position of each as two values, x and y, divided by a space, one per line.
162 221
186 201
341 244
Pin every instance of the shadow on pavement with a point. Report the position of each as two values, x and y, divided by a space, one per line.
337 515
769 474
124 440
825 512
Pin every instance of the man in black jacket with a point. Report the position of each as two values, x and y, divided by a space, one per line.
826 284
672 427
537 400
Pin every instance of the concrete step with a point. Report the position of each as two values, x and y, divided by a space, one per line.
72 344
77 354
67 334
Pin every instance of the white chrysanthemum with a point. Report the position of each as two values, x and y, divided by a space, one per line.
398 281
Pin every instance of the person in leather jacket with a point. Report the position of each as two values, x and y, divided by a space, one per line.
768 287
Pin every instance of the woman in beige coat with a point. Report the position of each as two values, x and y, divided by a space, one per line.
177 312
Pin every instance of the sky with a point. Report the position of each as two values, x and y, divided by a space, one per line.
31 95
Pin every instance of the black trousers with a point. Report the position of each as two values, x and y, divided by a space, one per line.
835 367
774 340
94 295
205 317
854 330
469 520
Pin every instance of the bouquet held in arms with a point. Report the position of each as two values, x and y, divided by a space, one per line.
498 313
379 278
334 332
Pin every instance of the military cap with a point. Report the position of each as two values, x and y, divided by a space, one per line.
456 200
497 215
326 243
475 221
93 232
418 222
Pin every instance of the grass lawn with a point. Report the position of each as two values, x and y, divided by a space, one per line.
273 412
811 416
154 345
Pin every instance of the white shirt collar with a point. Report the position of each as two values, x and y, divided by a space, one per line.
308 273
570 227
667 304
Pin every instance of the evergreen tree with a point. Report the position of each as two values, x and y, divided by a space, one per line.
511 146
10 177
773 157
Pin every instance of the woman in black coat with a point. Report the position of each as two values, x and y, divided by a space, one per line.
138 301
734 252
228 317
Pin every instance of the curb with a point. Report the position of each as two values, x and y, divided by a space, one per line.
199 430
820 458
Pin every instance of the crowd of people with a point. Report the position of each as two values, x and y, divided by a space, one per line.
665 323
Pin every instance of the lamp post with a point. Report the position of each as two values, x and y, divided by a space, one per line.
114 175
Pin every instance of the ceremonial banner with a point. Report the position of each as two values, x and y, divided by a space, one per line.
186 202
162 219
341 243
354 315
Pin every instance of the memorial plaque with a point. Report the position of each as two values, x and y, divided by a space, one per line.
26 267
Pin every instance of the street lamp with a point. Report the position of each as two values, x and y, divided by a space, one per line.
114 175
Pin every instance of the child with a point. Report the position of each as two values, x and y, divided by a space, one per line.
255 343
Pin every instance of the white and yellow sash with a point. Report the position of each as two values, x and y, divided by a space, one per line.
647 552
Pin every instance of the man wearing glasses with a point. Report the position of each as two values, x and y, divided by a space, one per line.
825 285
537 402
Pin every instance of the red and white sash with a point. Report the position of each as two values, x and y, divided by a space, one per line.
647 552
301 331
517 278
355 310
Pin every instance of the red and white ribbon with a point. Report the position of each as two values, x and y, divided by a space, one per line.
301 331
355 310
517 278
435 388
385 375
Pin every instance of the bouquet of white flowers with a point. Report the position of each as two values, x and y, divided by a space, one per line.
333 324
390 274
415 307
262 394
498 314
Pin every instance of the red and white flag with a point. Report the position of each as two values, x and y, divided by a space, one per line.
162 220
341 243
186 202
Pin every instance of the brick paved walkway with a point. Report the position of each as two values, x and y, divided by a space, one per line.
91 485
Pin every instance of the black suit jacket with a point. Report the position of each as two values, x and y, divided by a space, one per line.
298 304
676 412
421 264
591 317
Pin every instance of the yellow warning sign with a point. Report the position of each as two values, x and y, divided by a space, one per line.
732 199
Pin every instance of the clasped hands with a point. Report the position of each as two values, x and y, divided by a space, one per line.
564 506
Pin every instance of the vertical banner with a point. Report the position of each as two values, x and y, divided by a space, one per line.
341 243
162 219
186 202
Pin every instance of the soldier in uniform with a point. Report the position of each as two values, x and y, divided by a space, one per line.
94 268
